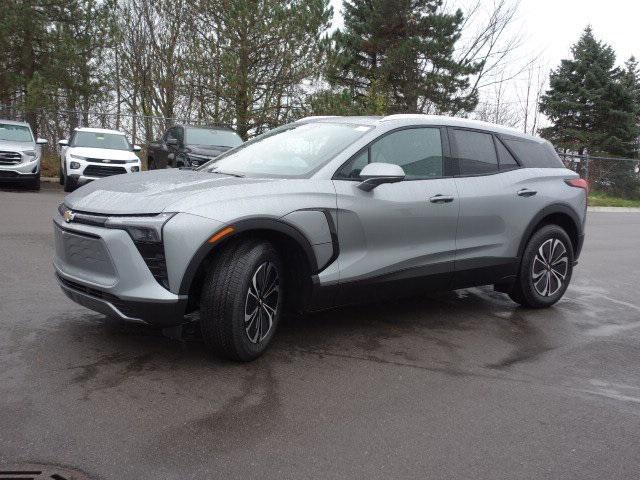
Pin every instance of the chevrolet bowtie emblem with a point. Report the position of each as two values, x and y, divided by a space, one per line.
68 216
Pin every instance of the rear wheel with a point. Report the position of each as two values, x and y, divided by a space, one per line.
241 302
151 163
61 176
546 268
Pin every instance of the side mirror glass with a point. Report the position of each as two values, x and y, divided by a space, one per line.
137 148
63 143
172 142
41 141
375 174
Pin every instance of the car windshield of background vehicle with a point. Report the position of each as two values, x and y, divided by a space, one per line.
214 138
293 151
15 133
109 141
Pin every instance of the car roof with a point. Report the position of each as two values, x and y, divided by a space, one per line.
99 130
14 122
410 119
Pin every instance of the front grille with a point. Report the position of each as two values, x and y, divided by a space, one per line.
102 171
153 256
102 160
10 158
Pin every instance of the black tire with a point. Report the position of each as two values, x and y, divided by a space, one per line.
225 300
70 184
542 283
61 176
151 163
35 184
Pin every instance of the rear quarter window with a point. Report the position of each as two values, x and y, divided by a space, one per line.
534 154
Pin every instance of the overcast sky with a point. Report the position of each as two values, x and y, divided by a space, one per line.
550 27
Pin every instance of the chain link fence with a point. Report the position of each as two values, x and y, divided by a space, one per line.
610 176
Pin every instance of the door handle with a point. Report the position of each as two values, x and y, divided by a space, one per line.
525 192
441 199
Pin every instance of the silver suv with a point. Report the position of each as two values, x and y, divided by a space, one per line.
323 212
20 154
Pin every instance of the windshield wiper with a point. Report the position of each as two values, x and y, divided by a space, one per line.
231 174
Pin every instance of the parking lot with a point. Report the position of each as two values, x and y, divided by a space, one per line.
459 385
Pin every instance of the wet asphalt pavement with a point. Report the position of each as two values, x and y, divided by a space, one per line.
455 386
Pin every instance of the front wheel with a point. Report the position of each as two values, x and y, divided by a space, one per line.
69 184
545 270
241 301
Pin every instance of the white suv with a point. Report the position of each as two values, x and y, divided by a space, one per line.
93 153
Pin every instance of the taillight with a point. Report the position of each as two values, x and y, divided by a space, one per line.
578 183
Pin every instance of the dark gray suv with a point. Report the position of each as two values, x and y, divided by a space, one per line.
322 212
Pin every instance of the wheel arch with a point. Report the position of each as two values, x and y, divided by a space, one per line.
293 246
558 214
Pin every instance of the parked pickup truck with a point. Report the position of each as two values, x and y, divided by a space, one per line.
184 146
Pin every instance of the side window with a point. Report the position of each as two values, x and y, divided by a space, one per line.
171 133
534 154
417 150
476 153
507 162
352 169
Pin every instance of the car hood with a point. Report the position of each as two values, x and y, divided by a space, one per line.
15 146
103 153
207 150
149 192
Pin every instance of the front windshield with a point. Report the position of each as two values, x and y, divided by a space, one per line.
295 150
110 141
215 138
15 133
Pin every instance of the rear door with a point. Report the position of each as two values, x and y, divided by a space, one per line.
398 235
498 198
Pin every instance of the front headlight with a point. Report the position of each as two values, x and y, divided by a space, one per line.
146 233
29 155
77 157
141 229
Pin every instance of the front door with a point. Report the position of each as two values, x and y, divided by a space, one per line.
400 237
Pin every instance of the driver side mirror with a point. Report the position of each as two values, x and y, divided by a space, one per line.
136 148
375 174
63 143
172 142
41 141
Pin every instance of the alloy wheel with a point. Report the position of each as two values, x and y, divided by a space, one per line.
261 304
550 267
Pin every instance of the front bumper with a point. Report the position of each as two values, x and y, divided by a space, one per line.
101 269
25 171
89 171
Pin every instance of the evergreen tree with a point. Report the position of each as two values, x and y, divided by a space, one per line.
397 55
593 109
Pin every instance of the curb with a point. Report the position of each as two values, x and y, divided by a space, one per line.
614 209
50 179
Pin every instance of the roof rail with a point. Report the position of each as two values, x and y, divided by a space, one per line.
313 118
400 116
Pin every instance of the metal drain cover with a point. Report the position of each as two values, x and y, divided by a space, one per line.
39 471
